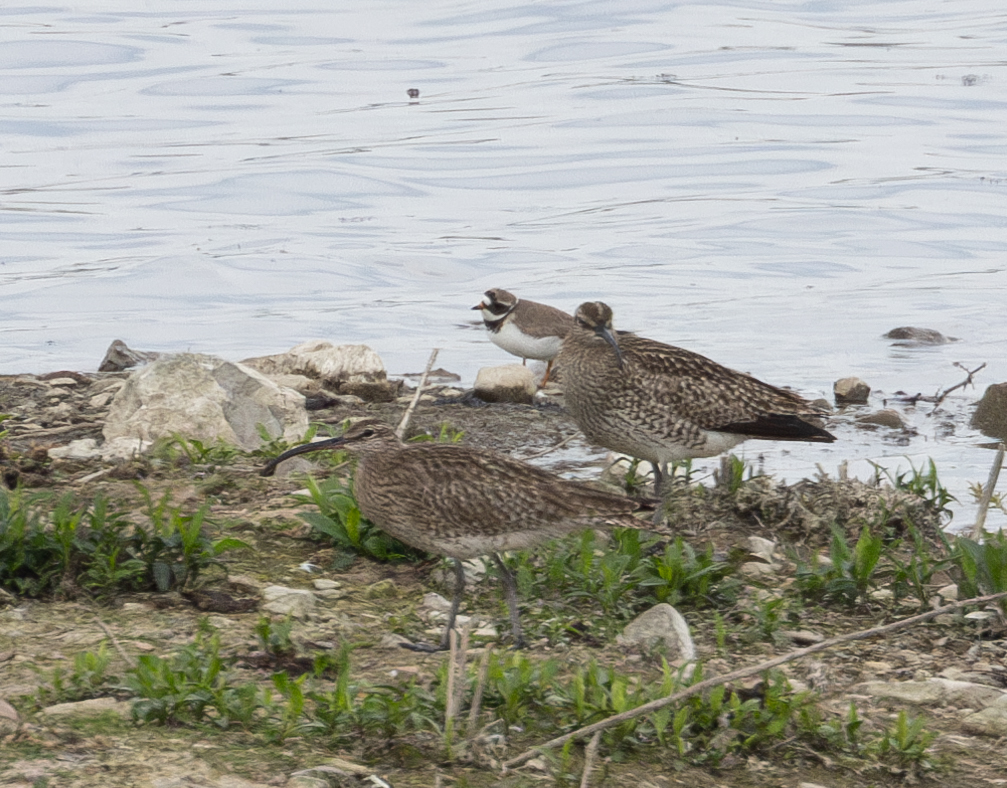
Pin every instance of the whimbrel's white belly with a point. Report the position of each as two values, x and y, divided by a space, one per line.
520 344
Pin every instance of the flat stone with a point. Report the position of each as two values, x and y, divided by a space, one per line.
84 449
507 383
802 636
991 721
94 707
61 382
660 625
963 694
297 602
850 391
323 584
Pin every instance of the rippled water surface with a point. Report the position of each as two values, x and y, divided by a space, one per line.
772 184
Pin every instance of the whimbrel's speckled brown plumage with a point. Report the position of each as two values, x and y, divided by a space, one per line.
662 403
524 328
462 502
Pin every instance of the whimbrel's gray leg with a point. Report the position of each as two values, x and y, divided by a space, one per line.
510 594
660 471
456 603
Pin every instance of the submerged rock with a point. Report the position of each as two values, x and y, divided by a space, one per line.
851 391
203 397
910 336
990 417
882 418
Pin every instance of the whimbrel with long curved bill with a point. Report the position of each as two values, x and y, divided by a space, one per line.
462 502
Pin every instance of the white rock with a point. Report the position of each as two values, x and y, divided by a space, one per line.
204 397
436 602
297 602
763 548
933 691
101 400
991 721
507 383
755 569
323 584
949 593
661 624
83 449
89 708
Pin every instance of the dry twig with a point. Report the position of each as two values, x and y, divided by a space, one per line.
589 755
400 431
122 652
695 689
938 398
984 502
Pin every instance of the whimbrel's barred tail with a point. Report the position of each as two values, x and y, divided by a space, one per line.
524 328
662 403
462 502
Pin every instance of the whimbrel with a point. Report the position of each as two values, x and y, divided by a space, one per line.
462 502
662 403
524 328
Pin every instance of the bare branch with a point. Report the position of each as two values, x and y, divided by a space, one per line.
400 431
695 689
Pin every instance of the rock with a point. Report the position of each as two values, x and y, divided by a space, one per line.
383 589
84 449
762 548
325 585
436 602
89 708
910 336
990 721
507 383
296 602
963 694
346 369
203 397
990 417
882 418
119 357
850 391
756 569
802 637
662 624
948 593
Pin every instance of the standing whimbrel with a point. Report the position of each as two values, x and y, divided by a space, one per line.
524 328
661 403
463 502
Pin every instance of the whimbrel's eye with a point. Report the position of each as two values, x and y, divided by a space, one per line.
367 434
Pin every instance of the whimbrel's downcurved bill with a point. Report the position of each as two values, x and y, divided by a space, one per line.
329 443
603 331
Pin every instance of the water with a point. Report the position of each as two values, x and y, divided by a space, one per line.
772 184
